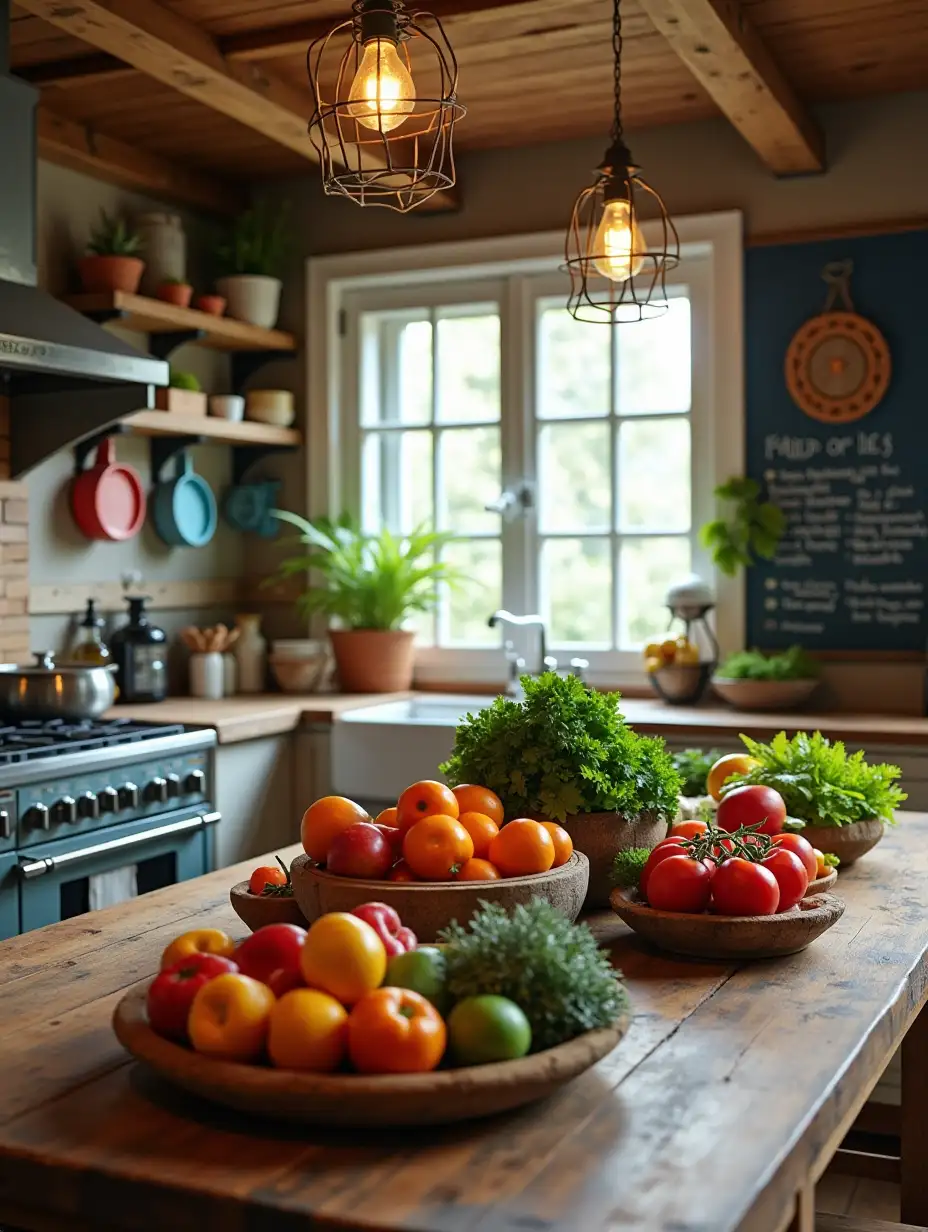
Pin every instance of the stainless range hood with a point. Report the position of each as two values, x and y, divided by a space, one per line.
65 376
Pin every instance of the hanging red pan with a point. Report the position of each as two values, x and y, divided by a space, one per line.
108 500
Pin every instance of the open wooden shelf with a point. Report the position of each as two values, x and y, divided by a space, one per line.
154 316
171 423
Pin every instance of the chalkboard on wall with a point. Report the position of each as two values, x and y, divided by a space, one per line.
852 568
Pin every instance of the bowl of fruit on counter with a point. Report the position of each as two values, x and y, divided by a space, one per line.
267 897
675 671
434 857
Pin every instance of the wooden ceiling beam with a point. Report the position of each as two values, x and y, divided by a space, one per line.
82 147
723 51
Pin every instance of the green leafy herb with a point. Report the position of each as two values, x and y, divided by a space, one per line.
257 243
552 969
792 664
693 765
831 860
628 866
114 237
278 891
820 783
185 380
565 749
367 581
753 528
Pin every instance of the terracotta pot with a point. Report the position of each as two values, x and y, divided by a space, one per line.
177 293
601 835
848 843
373 660
111 273
215 305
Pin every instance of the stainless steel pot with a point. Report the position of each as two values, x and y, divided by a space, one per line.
44 690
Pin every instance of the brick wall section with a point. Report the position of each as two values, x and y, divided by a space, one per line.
14 555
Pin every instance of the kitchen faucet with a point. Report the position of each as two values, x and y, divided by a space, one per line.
516 664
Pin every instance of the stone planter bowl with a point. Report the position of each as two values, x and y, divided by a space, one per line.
600 836
848 843
428 906
256 910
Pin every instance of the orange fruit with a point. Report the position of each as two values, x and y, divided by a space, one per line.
343 956
308 1030
563 843
478 870
522 847
724 768
229 1017
436 847
425 799
323 820
386 817
482 829
474 799
197 941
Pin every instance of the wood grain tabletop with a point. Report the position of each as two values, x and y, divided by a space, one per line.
733 1087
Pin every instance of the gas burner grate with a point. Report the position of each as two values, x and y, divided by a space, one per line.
31 739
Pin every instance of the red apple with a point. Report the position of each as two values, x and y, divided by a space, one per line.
360 851
171 993
746 806
272 955
394 837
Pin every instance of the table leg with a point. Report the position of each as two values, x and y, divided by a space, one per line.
804 1215
913 1136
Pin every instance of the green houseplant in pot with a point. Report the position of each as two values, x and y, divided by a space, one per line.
566 754
370 584
112 262
250 258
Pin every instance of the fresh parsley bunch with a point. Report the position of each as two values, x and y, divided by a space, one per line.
552 969
693 766
820 783
565 749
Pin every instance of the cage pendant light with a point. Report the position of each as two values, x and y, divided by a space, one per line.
380 139
615 276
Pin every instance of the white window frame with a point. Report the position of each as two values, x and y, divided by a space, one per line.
711 258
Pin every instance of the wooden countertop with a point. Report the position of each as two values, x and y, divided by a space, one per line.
732 1088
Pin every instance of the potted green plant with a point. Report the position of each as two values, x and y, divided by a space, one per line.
370 584
112 262
566 754
250 258
175 291
184 395
752 527
751 680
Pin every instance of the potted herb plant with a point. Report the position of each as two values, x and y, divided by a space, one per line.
370 584
112 262
250 258
183 396
840 802
175 291
566 754
750 680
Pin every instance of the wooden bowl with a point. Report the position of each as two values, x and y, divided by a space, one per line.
601 836
729 937
821 884
355 1099
764 694
259 909
848 843
427 906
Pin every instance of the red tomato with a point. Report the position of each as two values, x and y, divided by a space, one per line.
791 876
742 888
266 875
746 806
802 848
667 847
171 993
688 829
679 883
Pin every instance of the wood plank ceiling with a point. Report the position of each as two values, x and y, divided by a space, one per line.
530 70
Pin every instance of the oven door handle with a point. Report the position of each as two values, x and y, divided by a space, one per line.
30 868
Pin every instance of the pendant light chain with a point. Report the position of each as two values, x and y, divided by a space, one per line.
617 133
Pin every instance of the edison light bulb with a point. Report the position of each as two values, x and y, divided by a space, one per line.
618 247
382 94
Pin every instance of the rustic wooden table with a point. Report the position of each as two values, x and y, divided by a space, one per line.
718 1111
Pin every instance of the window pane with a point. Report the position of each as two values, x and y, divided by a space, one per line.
654 363
576 589
396 368
654 474
574 491
468 477
573 365
467 607
468 367
647 567
396 480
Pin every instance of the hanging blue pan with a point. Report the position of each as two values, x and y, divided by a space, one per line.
184 508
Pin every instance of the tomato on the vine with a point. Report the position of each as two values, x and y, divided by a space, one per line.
750 806
688 829
680 883
741 887
802 848
665 848
791 876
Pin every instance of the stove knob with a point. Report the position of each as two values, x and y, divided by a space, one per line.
66 809
157 789
195 782
173 781
109 800
37 817
128 796
89 804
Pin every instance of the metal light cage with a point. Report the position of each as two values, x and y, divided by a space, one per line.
400 168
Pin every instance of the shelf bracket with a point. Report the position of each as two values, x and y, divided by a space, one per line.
163 448
244 457
162 345
246 363
83 449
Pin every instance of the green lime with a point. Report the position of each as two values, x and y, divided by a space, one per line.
488 1028
423 970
